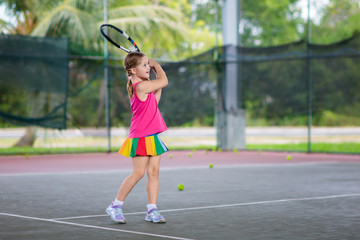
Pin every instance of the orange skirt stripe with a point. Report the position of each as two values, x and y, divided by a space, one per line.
149 150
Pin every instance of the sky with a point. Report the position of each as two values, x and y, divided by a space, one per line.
315 6
3 14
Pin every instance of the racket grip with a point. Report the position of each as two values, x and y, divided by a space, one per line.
154 70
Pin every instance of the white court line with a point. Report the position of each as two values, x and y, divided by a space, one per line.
92 226
229 205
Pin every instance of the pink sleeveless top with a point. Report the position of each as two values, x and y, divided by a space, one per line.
146 119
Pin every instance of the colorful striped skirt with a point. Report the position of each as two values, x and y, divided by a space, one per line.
143 146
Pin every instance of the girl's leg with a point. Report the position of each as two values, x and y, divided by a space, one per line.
139 165
152 171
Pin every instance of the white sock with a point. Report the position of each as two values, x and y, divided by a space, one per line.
150 206
118 203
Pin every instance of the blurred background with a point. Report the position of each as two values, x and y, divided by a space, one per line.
298 83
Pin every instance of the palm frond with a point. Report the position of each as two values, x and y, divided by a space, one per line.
39 7
68 21
155 29
139 25
6 27
150 11
89 6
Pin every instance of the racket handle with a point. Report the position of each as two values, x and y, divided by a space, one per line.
154 71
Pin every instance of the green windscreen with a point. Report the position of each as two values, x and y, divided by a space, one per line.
34 80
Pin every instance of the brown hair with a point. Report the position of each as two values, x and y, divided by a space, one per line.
131 61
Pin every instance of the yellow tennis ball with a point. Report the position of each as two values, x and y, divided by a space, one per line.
171 156
289 157
181 187
194 150
236 151
211 165
220 150
189 155
27 155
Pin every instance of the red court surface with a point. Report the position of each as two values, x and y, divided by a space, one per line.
95 162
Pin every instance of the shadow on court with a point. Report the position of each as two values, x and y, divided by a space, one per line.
245 196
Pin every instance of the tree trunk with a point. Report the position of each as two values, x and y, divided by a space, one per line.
28 139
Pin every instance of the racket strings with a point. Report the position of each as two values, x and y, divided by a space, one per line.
119 38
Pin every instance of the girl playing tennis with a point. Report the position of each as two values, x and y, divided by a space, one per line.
143 143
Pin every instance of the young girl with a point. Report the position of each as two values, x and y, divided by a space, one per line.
143 143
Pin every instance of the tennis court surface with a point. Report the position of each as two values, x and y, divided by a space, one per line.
248 195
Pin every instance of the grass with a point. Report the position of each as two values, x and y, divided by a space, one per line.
40 151
352 148
58 150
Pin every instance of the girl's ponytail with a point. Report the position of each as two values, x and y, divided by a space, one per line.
129 87
131 61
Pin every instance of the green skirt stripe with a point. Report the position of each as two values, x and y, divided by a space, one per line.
158 146
134 146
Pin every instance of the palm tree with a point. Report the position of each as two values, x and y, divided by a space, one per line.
153 26
80 20
27 13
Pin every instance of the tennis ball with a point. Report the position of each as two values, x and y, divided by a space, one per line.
189 155
194 150
27 155
171 156
211 165
220 150
236 151
289 157
181 187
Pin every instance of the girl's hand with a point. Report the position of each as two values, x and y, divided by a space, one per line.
152 63
161 80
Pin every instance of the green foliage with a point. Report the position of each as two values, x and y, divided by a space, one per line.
330 118
270 22
200 122
11 103
203 13
158 28
273 96
5 27
341 18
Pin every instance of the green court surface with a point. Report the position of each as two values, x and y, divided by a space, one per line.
244 196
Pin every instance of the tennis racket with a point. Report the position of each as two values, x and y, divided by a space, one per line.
119 38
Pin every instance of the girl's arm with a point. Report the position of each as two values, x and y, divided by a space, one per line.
154 85
158 95
157 92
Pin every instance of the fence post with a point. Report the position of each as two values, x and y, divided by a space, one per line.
231 119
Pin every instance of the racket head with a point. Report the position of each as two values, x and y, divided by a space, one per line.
119 38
